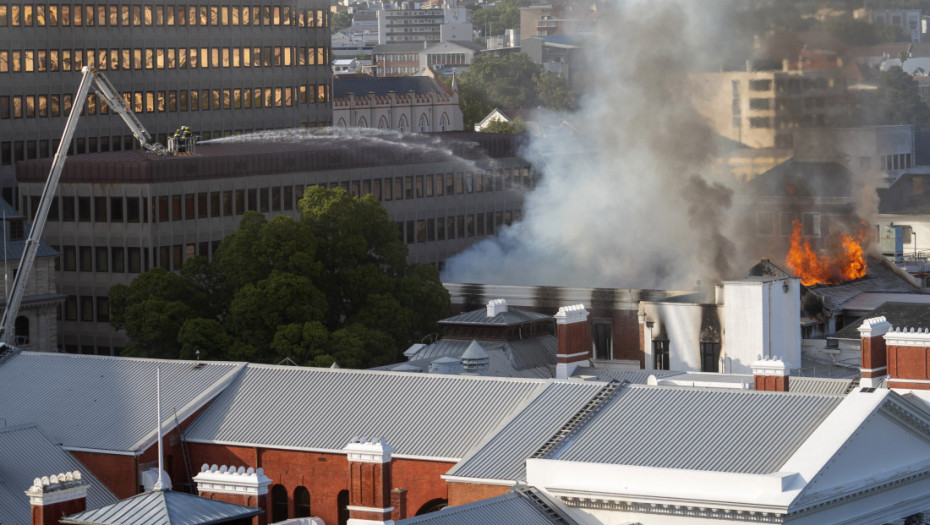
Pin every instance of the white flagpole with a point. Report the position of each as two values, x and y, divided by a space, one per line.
158 483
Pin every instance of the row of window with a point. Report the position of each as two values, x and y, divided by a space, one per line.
397 57
77 15
458 227
710 356
279 503
269 199
15 151
85 308
900 161
115 59
41 106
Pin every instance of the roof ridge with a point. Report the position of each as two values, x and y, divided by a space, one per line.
368 371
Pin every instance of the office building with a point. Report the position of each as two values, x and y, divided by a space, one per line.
222 67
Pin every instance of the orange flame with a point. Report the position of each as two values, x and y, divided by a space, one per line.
845 265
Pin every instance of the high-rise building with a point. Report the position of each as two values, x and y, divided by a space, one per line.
222 67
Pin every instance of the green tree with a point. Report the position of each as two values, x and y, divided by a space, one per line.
495 20
514 127
554 92
332 286
896 101
340 20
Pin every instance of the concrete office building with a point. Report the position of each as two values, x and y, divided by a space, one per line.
118 214
222 67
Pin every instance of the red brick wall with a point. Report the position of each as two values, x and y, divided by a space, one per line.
120 474
574 338
873 355
462 493
908 362
50 514
771 383
422 479
627 336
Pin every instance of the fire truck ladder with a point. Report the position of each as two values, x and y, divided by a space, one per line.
854 384
581 417
185 453
546 507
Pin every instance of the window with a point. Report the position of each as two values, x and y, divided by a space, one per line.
102 259
21 330
602 340
760 85
135 260
710 357
660 354
301 502
100 209
118 263
84 209
278 503
87 308
85 259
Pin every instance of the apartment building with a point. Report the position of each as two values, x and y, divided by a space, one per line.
117 214
432 25
222 67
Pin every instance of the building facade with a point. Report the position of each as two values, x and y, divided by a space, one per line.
419 103
220 67
119 214
433 25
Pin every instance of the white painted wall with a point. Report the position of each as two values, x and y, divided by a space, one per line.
762 319
680 323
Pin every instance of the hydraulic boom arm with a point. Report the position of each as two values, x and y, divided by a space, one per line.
109 95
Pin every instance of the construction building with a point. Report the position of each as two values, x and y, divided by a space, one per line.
220 67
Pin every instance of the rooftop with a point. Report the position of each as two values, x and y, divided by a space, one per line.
163 508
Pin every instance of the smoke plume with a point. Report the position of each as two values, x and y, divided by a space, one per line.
617 205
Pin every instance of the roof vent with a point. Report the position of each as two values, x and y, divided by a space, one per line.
496 306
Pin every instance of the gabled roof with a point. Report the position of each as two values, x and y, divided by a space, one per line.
879 277
164 508
525 505
899 314
25 454
502 456
510 317
527 358
420 415
11 250
380 86
802 180
901 198
104 403
738 431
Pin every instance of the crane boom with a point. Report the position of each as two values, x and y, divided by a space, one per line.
105 90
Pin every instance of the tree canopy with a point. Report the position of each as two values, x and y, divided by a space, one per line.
510 81
896 101
494 20
333 286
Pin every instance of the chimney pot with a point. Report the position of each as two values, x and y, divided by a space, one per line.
771 375
496 306
56 496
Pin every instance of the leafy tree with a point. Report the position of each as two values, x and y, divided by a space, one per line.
341 20
495 20
514 127
554 92
896 101
333 286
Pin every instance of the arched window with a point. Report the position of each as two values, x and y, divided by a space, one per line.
21 329
342 501
301 502
278 503
424 123
362 122
432 506
383 123
443 122
341 123
403 124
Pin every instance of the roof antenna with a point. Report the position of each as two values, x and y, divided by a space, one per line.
158 483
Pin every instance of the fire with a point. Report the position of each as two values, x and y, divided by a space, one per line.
844 265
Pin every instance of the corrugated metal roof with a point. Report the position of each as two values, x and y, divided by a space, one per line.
527 358
738 431
636 377
425 415
163 508
512 316
818 385
25 454
503 456
526 506
99 402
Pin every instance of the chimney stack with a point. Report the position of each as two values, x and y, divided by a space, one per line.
54 497
369 482
247 487
874 365
908 353
574 339
399 502
496 306
770 375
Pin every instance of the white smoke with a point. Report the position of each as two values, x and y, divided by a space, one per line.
617 204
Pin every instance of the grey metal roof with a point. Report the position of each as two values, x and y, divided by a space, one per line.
163 508
103 403
380 86
503 455
740 431
818 385
512 316
423 415
527 358
636 377
526 506
13 250
25 454
897 313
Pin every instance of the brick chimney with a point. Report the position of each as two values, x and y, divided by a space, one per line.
874 353
54 497
908 357
574 339
247 487
399 502
770 375
369 482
